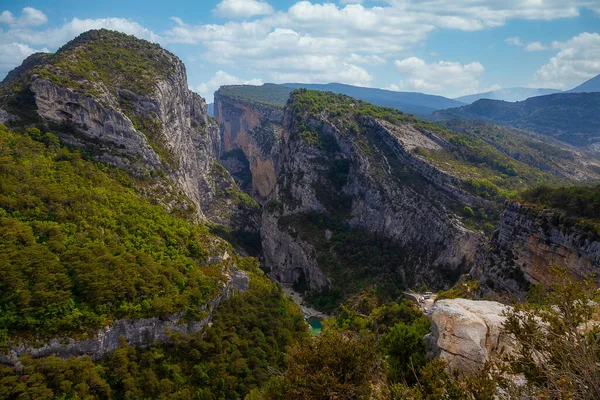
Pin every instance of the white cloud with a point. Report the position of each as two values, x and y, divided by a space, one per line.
368 59
578 59
535 46
208 89
29 17
242 8
12 54
58 36
443 77
515 41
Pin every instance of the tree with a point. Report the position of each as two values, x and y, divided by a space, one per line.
559 343
335 364
405 349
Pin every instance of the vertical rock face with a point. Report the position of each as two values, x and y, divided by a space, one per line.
466 333
528 242
251 135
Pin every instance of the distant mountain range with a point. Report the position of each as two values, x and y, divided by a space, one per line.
408 102
210 109
573 118
593 85
510 94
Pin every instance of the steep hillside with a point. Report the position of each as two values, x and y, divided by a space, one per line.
126 102
352 202
573 118
509 94
590 86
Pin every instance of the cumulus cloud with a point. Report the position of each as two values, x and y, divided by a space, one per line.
443 77
12 54
208 89
242 8
367 59
515 41
577 60
29 17
535 46
58 36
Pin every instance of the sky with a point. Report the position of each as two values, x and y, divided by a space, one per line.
446 47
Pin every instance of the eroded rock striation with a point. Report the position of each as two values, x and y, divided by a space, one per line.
528 242
467 333
251 135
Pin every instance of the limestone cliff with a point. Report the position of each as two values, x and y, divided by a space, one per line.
251 134
126 102
528 242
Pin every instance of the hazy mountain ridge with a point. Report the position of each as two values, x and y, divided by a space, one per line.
509 94
570 117
592 85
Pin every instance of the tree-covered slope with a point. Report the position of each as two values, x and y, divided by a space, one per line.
239 352
573 118
80 248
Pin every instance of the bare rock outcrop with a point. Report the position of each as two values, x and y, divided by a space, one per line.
467 333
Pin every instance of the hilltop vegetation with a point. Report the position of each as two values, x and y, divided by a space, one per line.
269 93
81 248
112 67
98 60
575 201
408 102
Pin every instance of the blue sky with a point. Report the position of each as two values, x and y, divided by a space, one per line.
450 48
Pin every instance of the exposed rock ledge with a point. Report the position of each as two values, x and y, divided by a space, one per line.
137 332
465 333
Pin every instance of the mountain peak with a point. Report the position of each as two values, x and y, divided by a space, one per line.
589 86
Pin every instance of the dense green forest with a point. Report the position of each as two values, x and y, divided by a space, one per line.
80 247
239 352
